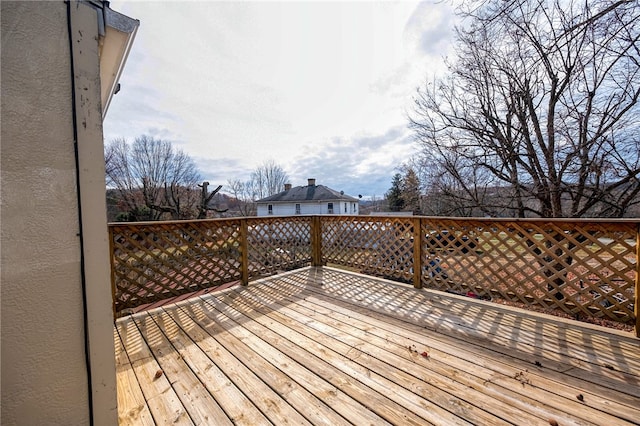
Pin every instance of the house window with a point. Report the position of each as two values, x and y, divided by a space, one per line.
330 208
297 208
345 207
270 208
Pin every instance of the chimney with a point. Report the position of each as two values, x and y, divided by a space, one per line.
312 182
287 186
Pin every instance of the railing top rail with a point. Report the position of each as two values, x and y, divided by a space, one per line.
171 222
218 219
375 217
534 219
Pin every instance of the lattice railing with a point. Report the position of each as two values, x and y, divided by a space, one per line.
580 267
158 260
278 244
584 268
155 261
373 245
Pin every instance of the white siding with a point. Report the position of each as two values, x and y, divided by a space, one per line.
313 207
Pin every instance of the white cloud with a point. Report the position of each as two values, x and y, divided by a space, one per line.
319 87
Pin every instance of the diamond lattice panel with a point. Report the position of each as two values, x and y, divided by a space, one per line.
278 244
378 246
580 268
155 261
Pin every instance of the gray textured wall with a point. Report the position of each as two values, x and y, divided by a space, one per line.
44 377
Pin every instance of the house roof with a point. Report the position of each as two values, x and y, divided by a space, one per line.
308 193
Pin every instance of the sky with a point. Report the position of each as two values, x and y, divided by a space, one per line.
324 89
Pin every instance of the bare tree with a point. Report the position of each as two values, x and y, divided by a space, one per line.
466 192
153 179
539 113
205 200
244 195
267 179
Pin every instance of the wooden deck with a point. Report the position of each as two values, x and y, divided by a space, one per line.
324 346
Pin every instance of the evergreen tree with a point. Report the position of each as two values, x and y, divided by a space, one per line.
411 191
395 200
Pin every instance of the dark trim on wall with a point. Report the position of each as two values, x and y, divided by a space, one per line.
80 233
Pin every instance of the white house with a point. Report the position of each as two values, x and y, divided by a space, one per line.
310 199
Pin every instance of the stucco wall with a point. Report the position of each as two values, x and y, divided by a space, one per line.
44 376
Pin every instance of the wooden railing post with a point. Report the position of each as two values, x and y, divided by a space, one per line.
637 292
244 250
316 241
417 253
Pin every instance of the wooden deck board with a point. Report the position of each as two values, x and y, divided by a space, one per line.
262 396
481 367
408 358
529 353
607 363
207 360
392 379
198 402
164 404
360 383
272 367
132 407
323 346
487 365
274 348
